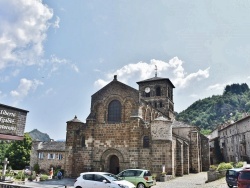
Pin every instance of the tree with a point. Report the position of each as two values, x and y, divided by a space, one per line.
18 153
210 112
4 145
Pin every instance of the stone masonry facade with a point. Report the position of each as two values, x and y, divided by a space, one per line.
130 128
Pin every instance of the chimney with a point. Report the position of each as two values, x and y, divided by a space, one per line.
115 77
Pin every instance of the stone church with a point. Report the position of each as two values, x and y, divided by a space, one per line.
130 128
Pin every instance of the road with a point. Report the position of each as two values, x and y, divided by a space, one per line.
192 181
186 181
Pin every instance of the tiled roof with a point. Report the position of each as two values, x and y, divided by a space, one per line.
51 146
75 120
178 124
156 79
161 118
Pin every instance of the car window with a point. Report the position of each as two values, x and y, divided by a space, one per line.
138 172
245 175
129 173
147 173
99 178
88 177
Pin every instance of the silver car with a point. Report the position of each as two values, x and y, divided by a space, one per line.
101 180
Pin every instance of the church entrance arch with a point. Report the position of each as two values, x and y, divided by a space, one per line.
114 164
111 160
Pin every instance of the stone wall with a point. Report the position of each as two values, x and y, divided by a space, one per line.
179 158
7 185
194 152
52 154
205 152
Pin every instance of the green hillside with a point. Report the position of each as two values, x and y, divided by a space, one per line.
218 109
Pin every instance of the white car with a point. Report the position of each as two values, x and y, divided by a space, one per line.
101 180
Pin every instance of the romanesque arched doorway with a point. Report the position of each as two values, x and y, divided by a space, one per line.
114 164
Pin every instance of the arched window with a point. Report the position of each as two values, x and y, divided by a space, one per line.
147 94
158 91
83 141
114 111
146 142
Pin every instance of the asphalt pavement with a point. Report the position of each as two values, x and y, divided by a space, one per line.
186 181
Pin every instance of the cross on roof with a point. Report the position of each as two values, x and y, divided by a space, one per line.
155 71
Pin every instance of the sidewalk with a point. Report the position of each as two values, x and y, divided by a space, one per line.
192 181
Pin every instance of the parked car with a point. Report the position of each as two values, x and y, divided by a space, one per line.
139 177
232 176
101 180
244 179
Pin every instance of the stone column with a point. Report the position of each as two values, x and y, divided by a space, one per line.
185 158
194 152
179 157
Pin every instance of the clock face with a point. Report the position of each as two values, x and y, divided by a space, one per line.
147 89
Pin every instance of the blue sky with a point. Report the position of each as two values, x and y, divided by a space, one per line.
55 54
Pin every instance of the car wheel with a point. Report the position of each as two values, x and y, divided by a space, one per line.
140 185
78 187
230 186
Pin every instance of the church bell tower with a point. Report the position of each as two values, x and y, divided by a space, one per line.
158 92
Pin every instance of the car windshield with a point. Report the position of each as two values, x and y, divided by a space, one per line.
231 173
111 177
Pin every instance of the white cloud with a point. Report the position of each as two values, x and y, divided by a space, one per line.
25 86
6 78
56 23
195 96
100 83
74 67
217 87
56 62
23 28
49 91
173 70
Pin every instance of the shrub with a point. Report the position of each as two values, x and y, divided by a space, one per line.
32 176
212 167
36 168
224 166
239 164
44 177
19 176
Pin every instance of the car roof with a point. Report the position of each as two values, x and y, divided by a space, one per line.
246 170
236 169
136 169
101 173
